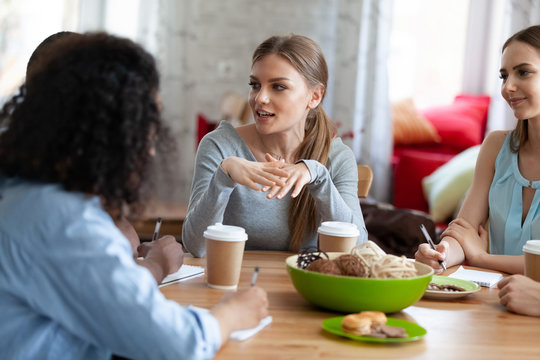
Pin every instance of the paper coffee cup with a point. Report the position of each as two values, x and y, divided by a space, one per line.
531 250
337 236
224 252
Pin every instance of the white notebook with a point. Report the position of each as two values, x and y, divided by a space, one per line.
185 272
482 278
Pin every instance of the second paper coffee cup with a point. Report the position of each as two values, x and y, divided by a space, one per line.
531 250
224 253
337 236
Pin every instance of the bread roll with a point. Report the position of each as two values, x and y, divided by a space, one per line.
377 318
356 324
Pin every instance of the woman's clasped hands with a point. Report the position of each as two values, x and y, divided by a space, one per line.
274 176
253 174
297 175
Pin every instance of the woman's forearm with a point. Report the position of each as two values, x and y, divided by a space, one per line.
511 264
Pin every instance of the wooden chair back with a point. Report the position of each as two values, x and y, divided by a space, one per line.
365 178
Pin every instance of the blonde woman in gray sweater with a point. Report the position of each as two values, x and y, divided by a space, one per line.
280 176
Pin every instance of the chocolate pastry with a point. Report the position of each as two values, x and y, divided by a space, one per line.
445 287
324 266
351 265
307 256
386 331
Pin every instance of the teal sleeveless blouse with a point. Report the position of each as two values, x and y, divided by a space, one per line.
507 235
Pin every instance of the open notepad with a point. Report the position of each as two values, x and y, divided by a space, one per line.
185 272
482 278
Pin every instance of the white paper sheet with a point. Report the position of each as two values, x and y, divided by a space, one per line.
482 278
241 335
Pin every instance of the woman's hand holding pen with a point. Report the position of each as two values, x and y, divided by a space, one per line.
163 256
425 254
254 174
243 309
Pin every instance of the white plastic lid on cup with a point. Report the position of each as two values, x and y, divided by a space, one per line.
532 247
338 228
222 232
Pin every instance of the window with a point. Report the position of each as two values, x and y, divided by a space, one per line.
427 50
23 25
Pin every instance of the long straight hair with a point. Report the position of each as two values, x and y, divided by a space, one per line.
530 36
307 58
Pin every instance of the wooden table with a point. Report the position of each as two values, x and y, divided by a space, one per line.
474 327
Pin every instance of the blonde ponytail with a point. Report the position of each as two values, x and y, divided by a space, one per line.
303 213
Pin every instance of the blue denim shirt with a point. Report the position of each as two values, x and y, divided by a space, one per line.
70 289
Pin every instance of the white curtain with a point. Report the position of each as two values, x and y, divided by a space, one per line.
163 28
491 22
361 101
517 15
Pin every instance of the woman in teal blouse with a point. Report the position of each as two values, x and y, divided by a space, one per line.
504 190
507 175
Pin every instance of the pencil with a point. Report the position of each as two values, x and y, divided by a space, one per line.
156 230
254 277
430 242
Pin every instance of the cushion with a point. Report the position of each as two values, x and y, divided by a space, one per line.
412 167
461 124
204 126
447 185
410 127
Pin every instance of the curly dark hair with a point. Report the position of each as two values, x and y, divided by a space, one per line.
88 119
43 48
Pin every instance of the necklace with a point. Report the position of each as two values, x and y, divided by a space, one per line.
266 150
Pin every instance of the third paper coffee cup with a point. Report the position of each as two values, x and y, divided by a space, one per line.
531 250
337 236
224 252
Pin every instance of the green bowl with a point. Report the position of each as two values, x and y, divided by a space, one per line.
353 294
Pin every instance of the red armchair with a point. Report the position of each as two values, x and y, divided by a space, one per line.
458 126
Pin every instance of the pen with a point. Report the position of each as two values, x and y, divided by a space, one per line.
430 242
255 274
156 230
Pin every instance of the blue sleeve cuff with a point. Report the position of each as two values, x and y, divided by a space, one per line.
210 327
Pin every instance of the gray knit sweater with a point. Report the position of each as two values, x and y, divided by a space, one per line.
215 198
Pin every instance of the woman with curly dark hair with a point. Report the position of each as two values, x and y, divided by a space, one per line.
76 156
144 255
